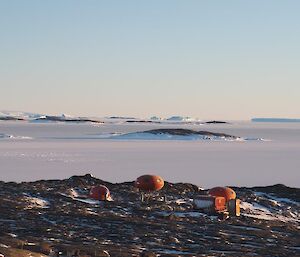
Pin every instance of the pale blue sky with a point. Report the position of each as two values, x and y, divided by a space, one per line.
206 59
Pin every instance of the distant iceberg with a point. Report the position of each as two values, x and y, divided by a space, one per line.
156 118
274 120
43 118
181 118
16 115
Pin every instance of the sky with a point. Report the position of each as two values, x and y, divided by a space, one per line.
205 59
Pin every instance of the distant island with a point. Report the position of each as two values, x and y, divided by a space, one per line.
216 122
63 118
10 118
274 120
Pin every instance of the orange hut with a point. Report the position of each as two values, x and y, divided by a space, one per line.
100 193
149 183
225 192
221 200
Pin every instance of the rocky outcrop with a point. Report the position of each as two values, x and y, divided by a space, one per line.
55 216
216 122
187 132
8 118
64 119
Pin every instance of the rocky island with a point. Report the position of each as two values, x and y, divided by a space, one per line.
176 134
63 118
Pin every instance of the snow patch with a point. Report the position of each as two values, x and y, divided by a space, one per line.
35 202
83 198
8 136
255 210
71 193
277 200
182 214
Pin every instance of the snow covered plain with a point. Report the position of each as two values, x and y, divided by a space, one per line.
31 151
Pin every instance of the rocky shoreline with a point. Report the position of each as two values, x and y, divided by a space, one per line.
55 218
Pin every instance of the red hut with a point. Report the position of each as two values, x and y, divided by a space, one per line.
149 183
220 200
100 193
225 192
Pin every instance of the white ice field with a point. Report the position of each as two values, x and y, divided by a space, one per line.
32 151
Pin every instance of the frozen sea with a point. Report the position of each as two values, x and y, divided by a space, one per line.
34 151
